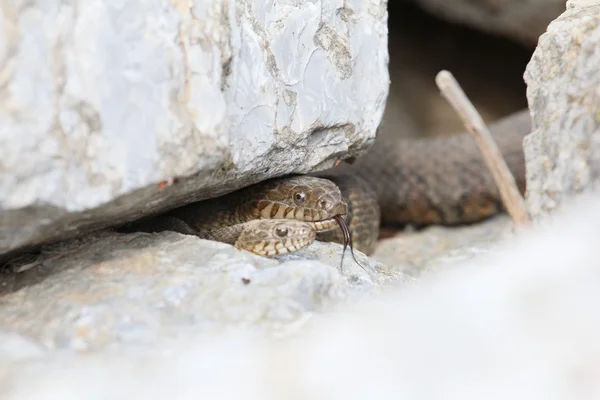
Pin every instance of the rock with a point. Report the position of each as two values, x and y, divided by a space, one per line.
521 323
111 111
563 151
524 20
107 288
14 347
437 247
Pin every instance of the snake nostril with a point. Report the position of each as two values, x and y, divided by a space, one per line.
324 204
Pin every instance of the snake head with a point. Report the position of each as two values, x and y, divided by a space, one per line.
269 237
304 198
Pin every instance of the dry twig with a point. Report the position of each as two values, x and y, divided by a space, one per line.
511 197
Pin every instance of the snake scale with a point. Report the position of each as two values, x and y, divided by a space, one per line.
440 180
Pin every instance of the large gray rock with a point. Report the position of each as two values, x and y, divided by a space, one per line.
431 250
106 289
563 151
521 324
103 103
524 20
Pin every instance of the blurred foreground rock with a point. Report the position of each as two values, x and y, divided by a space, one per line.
520 324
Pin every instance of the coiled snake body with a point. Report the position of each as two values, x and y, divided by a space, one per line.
400 181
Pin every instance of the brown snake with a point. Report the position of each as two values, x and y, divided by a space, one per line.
400 181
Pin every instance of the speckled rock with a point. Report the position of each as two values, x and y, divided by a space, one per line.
563 151
104 105
521 323
524 20
436 247
107 288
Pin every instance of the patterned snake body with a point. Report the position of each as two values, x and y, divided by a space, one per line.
276 216
442 180
398 181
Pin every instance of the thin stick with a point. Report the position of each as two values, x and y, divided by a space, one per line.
511 197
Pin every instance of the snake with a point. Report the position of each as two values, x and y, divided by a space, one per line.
397 181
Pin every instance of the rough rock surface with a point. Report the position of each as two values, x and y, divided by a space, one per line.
524 20
521 324
102 103
563 151
107 288
431 250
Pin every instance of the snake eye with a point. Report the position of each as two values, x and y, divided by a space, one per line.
281 232
299 196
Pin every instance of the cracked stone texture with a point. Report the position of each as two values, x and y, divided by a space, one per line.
114 110
523 20
521 323
105 288
563 151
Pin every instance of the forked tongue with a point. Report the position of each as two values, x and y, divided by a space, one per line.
347 241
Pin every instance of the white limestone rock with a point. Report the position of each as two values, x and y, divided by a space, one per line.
563 77
103 103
